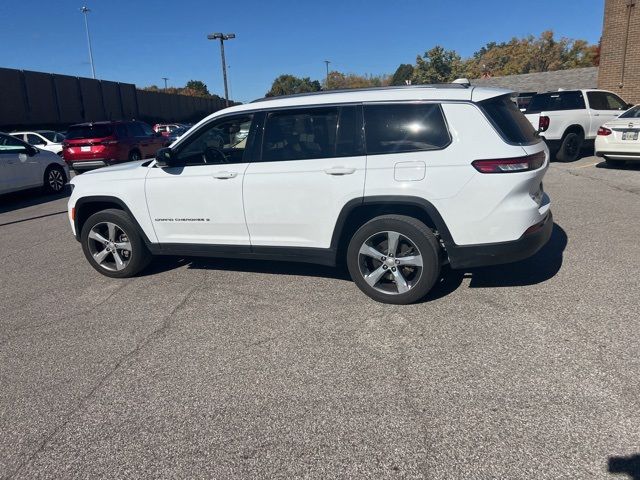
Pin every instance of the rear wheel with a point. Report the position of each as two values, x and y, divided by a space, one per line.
134 156
54 179
394 259
112 244
570 147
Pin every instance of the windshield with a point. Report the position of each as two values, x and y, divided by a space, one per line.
89 131
52 136
632 112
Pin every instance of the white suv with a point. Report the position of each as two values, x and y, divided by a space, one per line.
393 181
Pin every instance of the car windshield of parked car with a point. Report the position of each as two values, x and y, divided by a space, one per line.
89 131
632 112
52 136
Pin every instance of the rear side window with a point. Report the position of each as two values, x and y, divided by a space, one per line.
89 131
398 128
549 102
308 133
512 125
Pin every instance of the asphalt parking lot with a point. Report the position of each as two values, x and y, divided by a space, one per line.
221 369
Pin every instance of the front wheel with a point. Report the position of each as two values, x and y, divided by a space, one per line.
134 156
54 179
394 259
112 244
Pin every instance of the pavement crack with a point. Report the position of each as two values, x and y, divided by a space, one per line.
84 401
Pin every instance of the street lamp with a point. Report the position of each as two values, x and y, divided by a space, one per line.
222 37
327 62
165 83
86 11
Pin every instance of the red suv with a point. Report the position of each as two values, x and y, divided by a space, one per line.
94 145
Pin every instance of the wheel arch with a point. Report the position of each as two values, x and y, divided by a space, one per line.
87 206
574 128
360 210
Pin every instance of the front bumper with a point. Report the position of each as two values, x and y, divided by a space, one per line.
469 256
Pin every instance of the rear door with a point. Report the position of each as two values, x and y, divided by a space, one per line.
604 106
312 163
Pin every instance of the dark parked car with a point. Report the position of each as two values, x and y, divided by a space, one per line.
94 145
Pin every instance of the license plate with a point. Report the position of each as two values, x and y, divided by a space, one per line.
85 149
630 135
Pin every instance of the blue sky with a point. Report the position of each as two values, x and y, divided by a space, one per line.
141 41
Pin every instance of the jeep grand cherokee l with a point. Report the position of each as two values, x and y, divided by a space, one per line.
393 181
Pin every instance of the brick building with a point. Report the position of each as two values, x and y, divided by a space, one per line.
620 49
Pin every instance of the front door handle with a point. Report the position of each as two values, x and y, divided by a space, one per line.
339 171
224 175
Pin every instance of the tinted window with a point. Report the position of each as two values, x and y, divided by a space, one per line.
549 102
9 144
89 131
146 129
35 139
632 113
219 142
135 130
300 134
404 128
508 120
54 137
121 130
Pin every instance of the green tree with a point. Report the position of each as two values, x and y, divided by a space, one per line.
402 74
289 85
437 66
338 80
198 87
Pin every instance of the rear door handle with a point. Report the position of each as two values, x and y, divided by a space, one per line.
224 175
339 171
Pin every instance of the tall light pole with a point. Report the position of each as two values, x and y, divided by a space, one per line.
165 83
327 62
222 37
86 11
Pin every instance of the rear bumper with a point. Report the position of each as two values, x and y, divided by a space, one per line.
469 256
87 164
619 155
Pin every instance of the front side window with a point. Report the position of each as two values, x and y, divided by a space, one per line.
146 129
407 127
614 102
9 144
219 142
53 137
605 101
35 140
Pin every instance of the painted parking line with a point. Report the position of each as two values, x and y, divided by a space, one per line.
587 165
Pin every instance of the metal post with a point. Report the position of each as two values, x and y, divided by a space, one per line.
165 83
85 11
224 71
327 62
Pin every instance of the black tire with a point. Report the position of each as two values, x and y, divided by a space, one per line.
411 231
571 147
138 257
614 163
135 155
54 179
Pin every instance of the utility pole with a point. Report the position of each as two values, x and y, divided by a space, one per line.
222 37
165 83
327 62
86 11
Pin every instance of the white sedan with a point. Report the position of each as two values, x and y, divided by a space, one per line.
618 140
24 166
42 139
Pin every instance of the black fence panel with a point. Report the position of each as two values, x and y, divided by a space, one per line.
45 100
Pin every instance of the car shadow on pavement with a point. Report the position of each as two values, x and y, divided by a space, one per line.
29 198
539 268
632 166
629 465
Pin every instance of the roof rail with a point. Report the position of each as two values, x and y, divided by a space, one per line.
364 89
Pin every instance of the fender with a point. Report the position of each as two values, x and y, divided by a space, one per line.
107 199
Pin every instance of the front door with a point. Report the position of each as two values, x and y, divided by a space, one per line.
200 201
605 106
312 164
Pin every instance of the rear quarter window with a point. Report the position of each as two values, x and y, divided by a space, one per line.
400 128
511 124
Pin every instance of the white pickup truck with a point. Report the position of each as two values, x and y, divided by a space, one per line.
567 119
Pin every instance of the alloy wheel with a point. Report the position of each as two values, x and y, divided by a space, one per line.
55 180
109 246
390 262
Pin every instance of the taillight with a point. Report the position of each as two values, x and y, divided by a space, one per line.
604 131
543 123
510 165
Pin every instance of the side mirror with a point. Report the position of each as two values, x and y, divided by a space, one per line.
630 105
31 150
165 158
